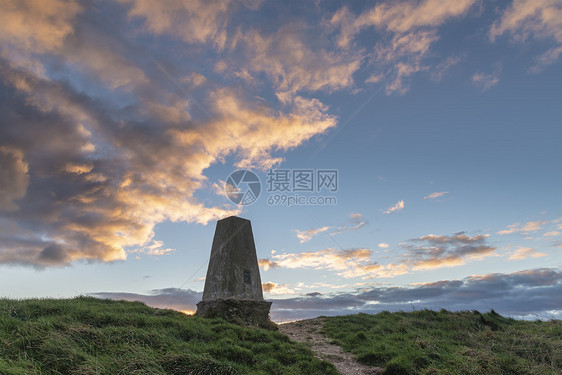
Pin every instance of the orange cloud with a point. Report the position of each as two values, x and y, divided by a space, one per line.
38 26
540 19
397 207
531 226
435 195
194 21
266 264
347 263
357 221
294 65
524 253
412 26
273 288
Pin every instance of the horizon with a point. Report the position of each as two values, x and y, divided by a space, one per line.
392 155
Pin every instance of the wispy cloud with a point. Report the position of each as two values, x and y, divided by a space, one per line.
551 233
194 21
346 263
294 63
397 207
408 30
356 222
266 264
273 288
531 226
485 81
539 19
435 195
306 235
524 253
423 253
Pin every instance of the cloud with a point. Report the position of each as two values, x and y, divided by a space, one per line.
443 68
357 221
524 294
397 207
383 245
551 233
14 175
306 235
423 253
524 253
266 264
435 195
194 21
155 248
294 63
538 19
399 17
407 29
99 147
437 251
346 263
529 293
485 81
37 27
531 226
273 288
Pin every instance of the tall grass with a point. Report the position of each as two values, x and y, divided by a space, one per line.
91 336
431 342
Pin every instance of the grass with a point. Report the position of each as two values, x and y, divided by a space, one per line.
443 342
91 336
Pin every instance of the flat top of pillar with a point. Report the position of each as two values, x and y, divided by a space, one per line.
234 218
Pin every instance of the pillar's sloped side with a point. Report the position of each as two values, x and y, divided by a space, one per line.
233 271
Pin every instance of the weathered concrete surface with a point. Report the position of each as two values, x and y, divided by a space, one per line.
250 312
233 268
233 288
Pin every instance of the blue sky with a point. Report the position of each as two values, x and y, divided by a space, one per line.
122 120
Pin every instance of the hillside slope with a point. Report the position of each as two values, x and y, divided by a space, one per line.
443 342
92 336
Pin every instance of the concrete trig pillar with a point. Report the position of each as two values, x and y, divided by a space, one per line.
233 287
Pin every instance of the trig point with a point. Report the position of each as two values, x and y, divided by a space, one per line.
233 285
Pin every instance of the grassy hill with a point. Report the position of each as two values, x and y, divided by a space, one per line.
92 336
431 342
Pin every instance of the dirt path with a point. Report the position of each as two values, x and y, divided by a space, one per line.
308 331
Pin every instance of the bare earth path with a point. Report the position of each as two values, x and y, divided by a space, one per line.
308 331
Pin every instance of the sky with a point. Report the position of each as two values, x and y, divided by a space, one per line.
406 153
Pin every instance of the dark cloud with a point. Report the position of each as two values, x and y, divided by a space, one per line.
314 294
433 251
525 294
99 141
13 177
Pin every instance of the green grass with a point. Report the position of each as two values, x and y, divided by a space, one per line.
431 342
91 336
